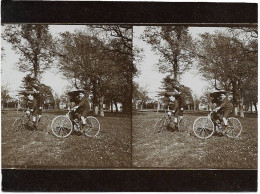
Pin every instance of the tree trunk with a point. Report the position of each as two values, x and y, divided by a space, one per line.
115 103
175 69
242 115
158 107
95 110
101 110
111 105
255 107
235 98
95 98
251 106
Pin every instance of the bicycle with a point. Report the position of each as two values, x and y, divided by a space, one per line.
166 122
25 121
204 127
62 126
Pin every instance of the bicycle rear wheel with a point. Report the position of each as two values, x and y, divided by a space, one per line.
161 125
61 126
18 124
203 127
92 127
234 127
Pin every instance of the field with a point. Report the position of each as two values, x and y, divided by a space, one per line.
183 150
41 149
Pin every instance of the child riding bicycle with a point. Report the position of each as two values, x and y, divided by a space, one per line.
174 103
81 107
32 109
223 110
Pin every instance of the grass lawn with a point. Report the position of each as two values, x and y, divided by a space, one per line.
183 150
41 149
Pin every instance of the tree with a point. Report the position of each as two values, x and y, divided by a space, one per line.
57 100
196 102
251 92
30 84
103 68
49 99
168 84
2 53
32 43
5 97
230 58
175 47
139 94
119 46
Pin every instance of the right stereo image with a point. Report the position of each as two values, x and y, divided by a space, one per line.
195 97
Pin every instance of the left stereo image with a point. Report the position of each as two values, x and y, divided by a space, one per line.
66 96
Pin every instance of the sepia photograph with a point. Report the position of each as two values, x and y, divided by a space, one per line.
112 96
195 100
66 96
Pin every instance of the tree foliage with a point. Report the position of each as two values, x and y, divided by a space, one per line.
32 43
139 94
168 84
5 97
30 84
175 47
230 58
102 67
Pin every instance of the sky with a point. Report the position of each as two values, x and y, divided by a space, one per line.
150 78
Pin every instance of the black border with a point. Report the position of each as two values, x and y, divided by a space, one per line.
129 180
136 13
127 12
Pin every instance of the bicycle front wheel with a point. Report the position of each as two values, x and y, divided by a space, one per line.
234 127
203 127
61 126
92 127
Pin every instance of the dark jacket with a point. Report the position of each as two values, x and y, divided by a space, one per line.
40 99
180 99
32 104
226 104
84 103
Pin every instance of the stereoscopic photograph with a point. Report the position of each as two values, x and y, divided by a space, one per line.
195 97
66 96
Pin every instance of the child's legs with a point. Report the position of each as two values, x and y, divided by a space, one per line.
39 114
84 115
226 113
181 114
176 114
34 116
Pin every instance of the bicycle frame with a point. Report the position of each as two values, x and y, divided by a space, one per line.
169 120
172 116
216 125
214 121
29 117
73 121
